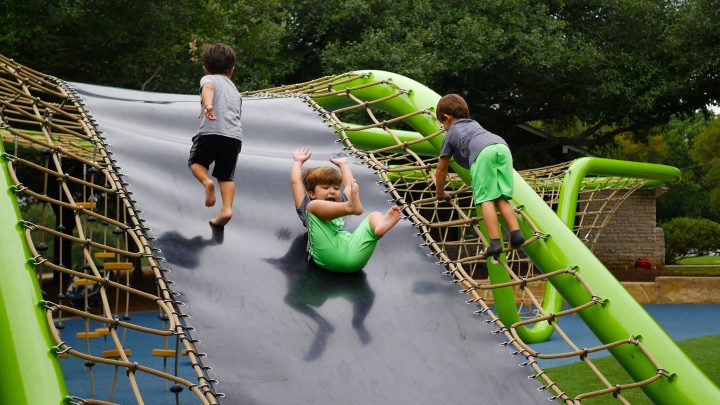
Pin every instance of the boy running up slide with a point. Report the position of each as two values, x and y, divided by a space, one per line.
219 138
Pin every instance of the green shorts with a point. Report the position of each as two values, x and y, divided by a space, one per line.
492 174
338 250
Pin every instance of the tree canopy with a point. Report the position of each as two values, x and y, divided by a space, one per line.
590 68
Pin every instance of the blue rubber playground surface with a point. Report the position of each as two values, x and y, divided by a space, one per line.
107 383
680 321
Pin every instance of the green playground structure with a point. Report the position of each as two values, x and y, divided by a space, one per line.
620 316
26 348
29 364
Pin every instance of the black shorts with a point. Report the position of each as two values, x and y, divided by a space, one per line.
220 149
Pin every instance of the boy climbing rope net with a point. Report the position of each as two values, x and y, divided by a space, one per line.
490 162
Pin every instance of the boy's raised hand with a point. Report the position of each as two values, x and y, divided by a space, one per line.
301 154
338 161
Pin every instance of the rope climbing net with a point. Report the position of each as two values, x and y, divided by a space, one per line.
598 198
57 158
451 230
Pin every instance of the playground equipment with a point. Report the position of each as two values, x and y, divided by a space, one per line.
403 160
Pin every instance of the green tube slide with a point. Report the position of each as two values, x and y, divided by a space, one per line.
620 316
30 372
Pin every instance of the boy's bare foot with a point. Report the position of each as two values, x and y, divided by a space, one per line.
209 193
223 218
356 207
391 217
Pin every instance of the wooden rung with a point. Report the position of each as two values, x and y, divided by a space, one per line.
115 353
118 266
83 282
184 352
63 356
86 205
163 353
104 255
102 331
88 335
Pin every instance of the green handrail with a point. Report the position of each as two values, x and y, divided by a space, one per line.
30 371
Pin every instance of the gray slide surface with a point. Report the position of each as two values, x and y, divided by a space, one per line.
275 328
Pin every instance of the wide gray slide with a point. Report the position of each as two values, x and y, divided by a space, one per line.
277 329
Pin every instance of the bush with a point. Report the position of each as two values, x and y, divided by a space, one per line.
684 236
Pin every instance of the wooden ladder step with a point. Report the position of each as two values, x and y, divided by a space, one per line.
105 255
86 205
80 282
118 266
102 331
87 335
115 353
163 353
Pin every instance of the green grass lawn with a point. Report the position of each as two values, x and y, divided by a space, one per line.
678 268
577 378
705 260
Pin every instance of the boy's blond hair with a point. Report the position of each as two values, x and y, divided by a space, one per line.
453 105
318 176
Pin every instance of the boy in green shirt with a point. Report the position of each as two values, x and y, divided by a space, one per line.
321 206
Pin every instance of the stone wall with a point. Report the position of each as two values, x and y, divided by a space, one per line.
631 234
664 290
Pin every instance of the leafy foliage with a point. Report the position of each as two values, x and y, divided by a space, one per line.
605 75
612 66
689 144
143 45
706 152
684 236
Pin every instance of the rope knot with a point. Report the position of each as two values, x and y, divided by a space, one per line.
132 369
114 325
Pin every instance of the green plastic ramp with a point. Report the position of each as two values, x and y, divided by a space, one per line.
30 372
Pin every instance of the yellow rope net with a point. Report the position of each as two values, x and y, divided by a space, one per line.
56 157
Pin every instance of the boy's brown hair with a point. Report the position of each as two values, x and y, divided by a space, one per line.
453 105
218 58
320 176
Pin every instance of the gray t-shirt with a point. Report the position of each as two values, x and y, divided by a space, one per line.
227 104
465 139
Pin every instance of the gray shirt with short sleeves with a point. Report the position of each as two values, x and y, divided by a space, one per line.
227 104
465 139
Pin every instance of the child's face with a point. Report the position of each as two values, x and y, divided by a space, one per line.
327 192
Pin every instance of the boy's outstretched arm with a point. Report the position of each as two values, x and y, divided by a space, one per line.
300 156
329 210
441 173
345 172
207 94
